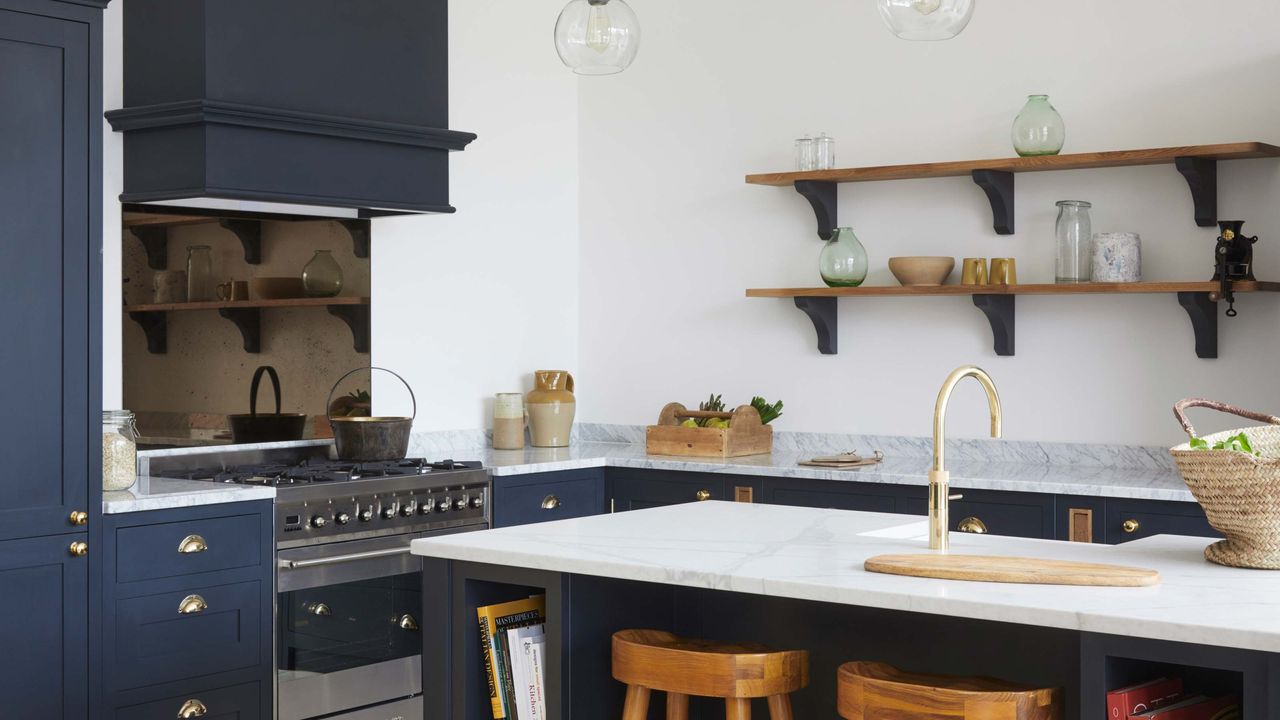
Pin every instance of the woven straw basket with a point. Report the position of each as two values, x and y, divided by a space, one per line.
1240 493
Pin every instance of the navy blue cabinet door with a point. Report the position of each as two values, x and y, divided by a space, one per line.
45 274
639 489
44 629
527 499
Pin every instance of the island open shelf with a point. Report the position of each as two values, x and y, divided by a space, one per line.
1198 164
247 316
997 302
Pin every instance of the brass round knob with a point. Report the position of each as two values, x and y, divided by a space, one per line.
972 525
550 502
191 605
703 495
192 709
79 517
1130 526
79 549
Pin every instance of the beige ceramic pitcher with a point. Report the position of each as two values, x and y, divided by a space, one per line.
551 407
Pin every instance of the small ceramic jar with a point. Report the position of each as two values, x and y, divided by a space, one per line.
1117 257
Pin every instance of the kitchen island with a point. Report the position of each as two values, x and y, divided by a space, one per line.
793 578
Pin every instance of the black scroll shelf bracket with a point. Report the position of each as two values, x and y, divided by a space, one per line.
1203 312
360 231
155 240
249 322
357 318
999 310
998 185
822 196
1202 177
823 313
156 327
250 234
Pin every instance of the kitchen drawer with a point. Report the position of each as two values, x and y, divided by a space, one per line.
239 702
1134 519
562 496
1015 514
640 489
154 643
839 495
150 552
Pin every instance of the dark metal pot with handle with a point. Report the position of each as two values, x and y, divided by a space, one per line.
372 439
255 428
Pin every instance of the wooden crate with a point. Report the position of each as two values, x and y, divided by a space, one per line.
746 435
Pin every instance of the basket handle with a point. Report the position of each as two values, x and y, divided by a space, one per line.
1180 407
412 398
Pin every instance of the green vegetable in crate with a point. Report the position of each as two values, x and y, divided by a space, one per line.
1238 443
689 422
713 404
768 413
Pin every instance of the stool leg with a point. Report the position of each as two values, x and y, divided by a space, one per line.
637 706
677 706
780 707
737 709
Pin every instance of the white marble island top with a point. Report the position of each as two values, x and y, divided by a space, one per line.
812 554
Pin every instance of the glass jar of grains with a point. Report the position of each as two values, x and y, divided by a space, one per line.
119 450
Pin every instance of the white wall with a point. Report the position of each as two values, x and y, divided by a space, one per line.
112 185
671 236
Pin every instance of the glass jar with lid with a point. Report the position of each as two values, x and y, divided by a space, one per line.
119 450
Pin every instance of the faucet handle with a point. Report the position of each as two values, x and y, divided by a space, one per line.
957 496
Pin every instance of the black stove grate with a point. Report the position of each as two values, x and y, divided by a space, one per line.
314 471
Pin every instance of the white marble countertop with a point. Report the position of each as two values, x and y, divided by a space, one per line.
153 493
1136 483
812 554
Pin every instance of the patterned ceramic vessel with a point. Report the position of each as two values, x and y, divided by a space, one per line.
1117 257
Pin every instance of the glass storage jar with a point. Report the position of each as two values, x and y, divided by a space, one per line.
199 274
1074 233
119 450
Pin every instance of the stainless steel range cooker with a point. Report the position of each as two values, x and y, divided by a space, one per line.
348 621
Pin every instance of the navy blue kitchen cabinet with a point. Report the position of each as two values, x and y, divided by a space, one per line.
1128 520
867 497
187 605
631 489
526 499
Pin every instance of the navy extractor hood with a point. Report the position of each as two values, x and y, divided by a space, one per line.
335 108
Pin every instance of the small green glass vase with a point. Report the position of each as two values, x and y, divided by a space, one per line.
322 277
1038 129
843 261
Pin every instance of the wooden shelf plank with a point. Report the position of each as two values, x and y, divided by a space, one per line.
137 219
1031 289
1076 161
248 304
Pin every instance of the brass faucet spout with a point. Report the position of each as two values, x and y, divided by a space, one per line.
939 532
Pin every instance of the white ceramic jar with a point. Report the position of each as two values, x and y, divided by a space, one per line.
1117 257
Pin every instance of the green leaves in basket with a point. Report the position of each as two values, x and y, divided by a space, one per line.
1237 443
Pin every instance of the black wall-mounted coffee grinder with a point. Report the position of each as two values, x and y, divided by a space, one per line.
1233 260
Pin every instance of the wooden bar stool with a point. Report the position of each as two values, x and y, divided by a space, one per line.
655 660
875 691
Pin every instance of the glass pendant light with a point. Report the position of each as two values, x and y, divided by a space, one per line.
597 37
926 19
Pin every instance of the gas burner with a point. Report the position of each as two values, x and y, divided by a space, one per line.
314 471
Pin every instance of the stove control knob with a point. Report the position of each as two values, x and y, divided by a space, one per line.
389 511
477 501
427 506
342 518
318 521
409 508
443 504
366 514
460 503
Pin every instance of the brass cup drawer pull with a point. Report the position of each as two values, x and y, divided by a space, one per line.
192 709
319 609
79 549
191 605
407 622
550 502
703 495
972 525
192 544
79 518
1130 526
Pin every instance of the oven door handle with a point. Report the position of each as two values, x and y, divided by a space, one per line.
335 559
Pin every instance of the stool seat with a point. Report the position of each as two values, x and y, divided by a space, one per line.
872 691
657 660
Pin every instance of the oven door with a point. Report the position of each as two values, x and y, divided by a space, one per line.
348 627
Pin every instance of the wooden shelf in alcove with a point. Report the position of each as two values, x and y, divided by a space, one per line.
1197 163
152 230
247 316
1199 299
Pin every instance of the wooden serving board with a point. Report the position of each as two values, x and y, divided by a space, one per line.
1033 571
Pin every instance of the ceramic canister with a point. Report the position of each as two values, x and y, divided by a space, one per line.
551 407
508 421
1117 257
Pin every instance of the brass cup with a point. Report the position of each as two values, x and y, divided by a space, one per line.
1004 271
974 272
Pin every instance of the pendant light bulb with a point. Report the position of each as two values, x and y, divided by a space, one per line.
926 19
597 37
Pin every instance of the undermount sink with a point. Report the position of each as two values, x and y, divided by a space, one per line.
910 531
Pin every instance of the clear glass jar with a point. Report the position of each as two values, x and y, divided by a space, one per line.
824 152
119 450
1074 232
806 154
322 277
199 274
843 261
1038 129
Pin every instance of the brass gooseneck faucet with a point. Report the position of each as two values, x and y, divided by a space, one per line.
939 497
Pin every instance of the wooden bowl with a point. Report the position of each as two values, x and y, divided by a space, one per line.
922 271
275 288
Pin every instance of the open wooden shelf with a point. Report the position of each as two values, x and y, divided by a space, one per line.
1199 299
247 316
1197 163
152 230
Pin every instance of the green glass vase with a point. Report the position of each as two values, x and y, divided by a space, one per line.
843 261
1038 129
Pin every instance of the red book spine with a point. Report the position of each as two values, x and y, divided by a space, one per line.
1139 698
